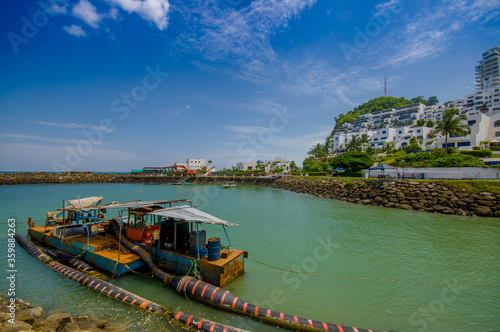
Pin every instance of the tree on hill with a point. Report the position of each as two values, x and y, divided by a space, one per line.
432 101
353 144
352 161
376 104
413 146
430 124
451 124
419 99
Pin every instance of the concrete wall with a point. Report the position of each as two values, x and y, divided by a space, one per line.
439 173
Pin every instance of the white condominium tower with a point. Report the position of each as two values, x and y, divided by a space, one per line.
488 69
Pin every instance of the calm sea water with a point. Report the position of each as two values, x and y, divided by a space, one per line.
300 233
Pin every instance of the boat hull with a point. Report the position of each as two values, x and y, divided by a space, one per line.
102 252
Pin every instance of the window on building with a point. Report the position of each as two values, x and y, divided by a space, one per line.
384 132
497 123
470 123
497 134
450 145
383 138
375 139
460 144
418 131
400 132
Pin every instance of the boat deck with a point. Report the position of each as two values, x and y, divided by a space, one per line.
104 252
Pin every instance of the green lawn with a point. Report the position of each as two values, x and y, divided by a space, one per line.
492 186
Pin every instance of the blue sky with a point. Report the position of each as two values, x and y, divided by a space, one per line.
112 85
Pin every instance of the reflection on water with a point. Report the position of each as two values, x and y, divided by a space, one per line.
301 233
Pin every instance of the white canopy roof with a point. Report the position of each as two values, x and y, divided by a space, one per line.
188 213
80 203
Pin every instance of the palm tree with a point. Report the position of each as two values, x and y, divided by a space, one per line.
451 125
364 140
318 151
388 146
353 144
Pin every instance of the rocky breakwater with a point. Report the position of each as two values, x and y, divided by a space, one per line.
18 315
65 177
400 194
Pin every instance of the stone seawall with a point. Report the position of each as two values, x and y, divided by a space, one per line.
89 177
400 194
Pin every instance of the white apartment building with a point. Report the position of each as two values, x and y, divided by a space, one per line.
269 165
195 164
246 166
394 125
488 70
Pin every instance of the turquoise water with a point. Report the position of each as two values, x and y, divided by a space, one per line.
294 232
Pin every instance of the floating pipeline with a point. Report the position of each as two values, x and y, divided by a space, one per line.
119 293
89 281
202 324
225 299
219 297
32 249
70 260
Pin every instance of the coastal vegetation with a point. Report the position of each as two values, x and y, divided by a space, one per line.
379 104
451 124
352 161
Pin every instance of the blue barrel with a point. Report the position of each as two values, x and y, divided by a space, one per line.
213 249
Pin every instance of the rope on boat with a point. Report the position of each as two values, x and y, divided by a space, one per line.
368 278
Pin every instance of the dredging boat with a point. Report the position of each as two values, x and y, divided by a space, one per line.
170 231
160 235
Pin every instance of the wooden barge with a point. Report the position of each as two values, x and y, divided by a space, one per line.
168 230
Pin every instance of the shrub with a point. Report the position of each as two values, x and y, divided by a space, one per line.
476 148
456 160
351 174
317 173
352 161
484 153
495 148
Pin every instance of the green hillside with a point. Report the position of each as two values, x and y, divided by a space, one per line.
377 104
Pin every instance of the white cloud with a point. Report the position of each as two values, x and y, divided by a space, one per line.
24 137
76 125
239 37
75 30
58 7
87 12
155 11
430 32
